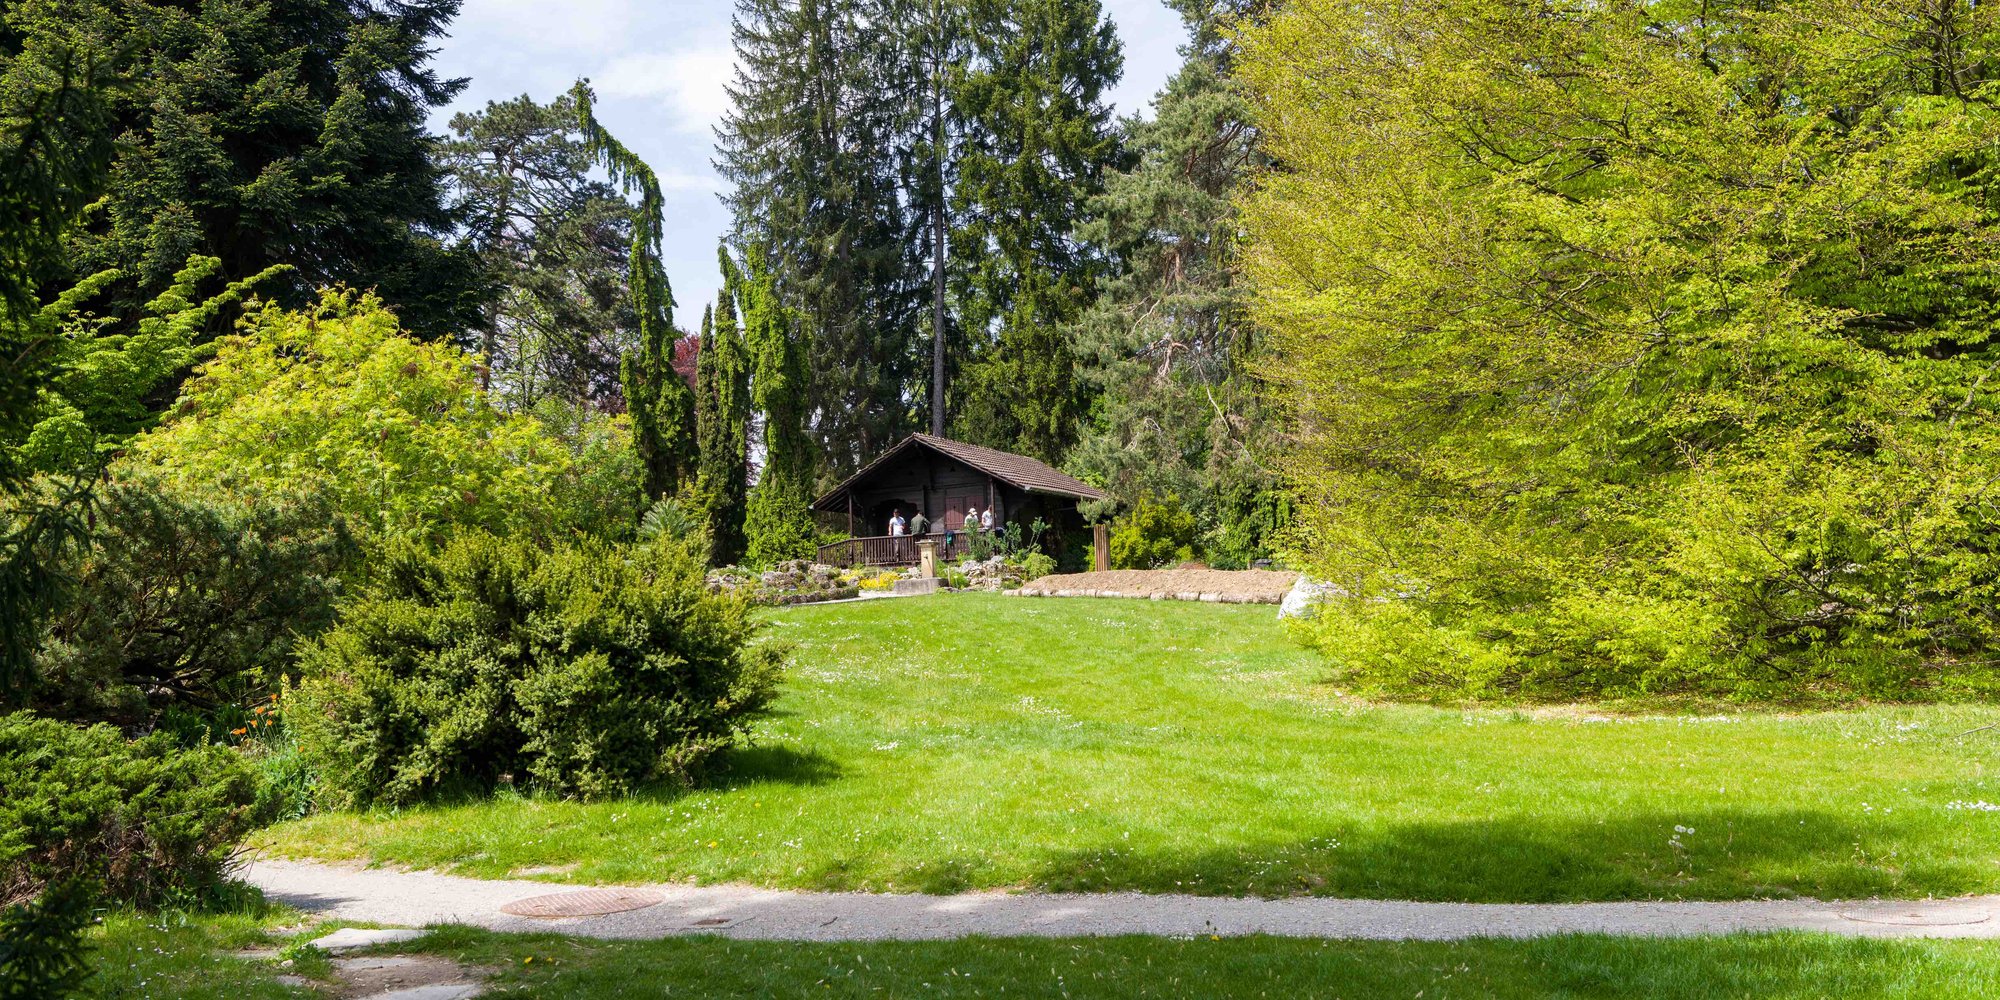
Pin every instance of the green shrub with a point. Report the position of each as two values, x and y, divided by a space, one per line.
42 947
584 670
146 819
190 600
395 430
1034 565
1156 532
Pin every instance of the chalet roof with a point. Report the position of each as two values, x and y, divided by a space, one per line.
1019 471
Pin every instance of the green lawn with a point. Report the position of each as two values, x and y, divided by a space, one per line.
177 960
973 741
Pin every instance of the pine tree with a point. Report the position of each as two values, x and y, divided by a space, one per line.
1167 344
1036 144
778 523
722 415
657 396
554 245
263 134
816 147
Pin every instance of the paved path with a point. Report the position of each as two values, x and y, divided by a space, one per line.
417 898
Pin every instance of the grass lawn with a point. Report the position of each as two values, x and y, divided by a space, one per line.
176 958
975 741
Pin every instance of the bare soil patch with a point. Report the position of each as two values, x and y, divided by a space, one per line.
1248 586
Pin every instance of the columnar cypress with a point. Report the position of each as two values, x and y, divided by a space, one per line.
779 522
722 390
661 404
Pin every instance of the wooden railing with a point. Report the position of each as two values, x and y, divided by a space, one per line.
887 550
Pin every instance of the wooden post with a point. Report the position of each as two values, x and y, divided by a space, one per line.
927 558
850 515
1100 546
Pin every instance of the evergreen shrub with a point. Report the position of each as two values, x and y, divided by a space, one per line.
148 820
584 670
1156 532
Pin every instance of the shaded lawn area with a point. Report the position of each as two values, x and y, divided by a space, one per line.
1769 967
975 741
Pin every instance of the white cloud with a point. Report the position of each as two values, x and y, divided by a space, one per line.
689 84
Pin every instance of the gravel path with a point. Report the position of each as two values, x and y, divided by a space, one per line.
417 898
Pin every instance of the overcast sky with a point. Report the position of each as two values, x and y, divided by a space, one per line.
659 67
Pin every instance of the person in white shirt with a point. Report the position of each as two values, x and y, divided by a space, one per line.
896 523
986 519
972 519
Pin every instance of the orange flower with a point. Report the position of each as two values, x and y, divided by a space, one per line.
238 732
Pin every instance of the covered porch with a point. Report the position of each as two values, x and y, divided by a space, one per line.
944 481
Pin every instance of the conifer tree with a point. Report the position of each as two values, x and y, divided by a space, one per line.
1167 345
722 415
661 404
812 147
1036 144
260 134
553 243
778 524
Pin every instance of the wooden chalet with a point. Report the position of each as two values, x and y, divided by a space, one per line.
943 479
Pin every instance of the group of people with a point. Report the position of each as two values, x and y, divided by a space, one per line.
975 520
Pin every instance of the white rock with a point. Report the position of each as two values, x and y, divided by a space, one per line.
350 938
449 991
1305 598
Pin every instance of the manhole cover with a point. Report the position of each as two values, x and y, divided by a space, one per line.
1946 918
586 903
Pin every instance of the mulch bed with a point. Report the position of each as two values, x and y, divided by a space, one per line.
1222 586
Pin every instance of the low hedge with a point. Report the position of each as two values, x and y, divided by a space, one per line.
148 820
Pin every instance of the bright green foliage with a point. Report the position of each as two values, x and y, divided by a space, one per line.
1103 745
147 820
778 524
264 134
722 416
43 953
190 597
584 671
1639 346
395 431
106 372
1156 532
661 404
1037 142
1168 345
555 244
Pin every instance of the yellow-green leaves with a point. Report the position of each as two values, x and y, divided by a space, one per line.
395 428
1638 346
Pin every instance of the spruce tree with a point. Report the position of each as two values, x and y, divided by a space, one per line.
778 523
658 398
816 147
261 134
1036 144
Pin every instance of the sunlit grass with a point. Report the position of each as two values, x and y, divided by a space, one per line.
1774 967
974 741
